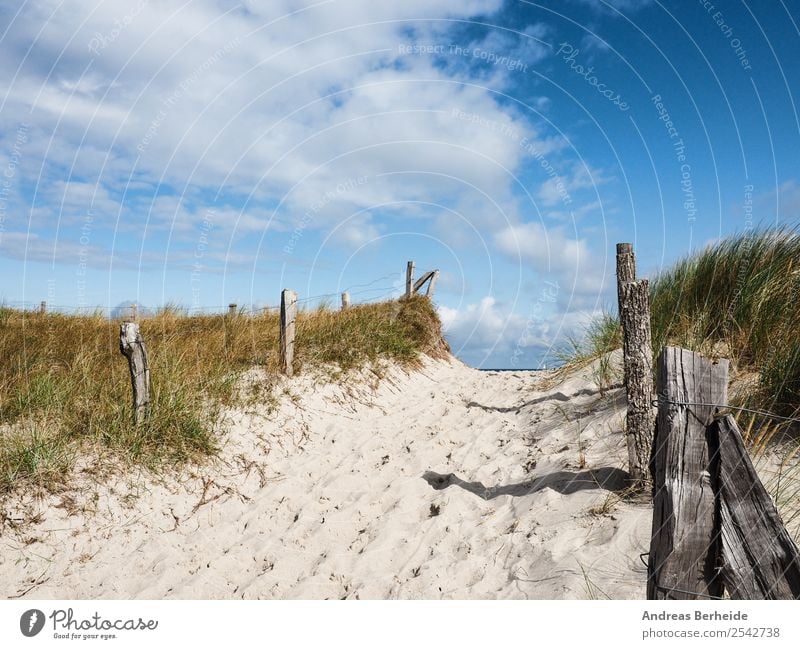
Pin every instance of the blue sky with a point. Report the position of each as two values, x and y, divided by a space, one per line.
209 152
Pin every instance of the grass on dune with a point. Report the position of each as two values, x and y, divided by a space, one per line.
737 298
65 389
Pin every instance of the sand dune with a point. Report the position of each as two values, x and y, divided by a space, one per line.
445 482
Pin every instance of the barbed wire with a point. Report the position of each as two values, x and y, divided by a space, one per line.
763 413
386 293
375 281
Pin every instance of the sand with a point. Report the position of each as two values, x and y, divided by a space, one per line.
442 482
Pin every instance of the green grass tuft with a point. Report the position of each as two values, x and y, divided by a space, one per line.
739 295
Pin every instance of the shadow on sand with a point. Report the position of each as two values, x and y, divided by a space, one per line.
555 396
565 482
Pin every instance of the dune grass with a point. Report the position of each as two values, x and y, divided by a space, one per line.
737 298
65 389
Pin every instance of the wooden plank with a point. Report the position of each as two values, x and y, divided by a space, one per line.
419 283
345 300
288 320
759 558
638 366
409 279
432 284
626 269
684 546
131 346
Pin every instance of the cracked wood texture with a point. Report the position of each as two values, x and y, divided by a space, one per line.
131 346
684 545
626 269
759 557
637 350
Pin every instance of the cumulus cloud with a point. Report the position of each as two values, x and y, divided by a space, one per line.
270 104
526 334
552 252
483 330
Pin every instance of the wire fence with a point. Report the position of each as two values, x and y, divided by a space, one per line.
360 294
760 413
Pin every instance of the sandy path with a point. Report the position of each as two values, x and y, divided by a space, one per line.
446 482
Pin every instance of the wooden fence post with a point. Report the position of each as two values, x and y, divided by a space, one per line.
634 316
432 284
288 319
759 557
684 543
637 350
626 269
43 307
132 347
409 279
345 300
232 309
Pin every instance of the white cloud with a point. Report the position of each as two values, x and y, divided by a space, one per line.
274 102
582 277
491 333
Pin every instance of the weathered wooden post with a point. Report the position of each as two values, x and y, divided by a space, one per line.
626 269
426 277
684 543
637 356
345 300
759 558
288 319
134 312
432 284
409 279
637 347
132 347
232 309
42 307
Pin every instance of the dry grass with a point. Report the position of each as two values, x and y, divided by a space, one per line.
65 389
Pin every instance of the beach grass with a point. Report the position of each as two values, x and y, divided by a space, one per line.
737 298
65 390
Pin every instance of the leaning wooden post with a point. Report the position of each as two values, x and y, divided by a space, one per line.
637 361
132 347
759 558
432 284
288 319
626 269
684 544
409 279
345 300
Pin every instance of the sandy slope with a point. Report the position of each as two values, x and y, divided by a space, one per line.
446 482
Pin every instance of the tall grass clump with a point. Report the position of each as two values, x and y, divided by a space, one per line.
65 388
737 298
